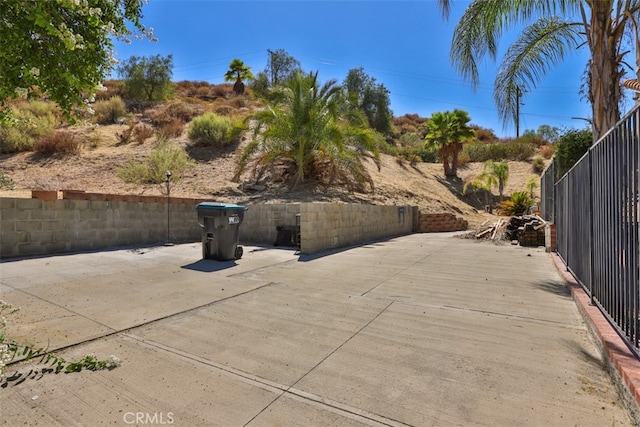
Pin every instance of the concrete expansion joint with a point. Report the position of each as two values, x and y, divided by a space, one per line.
339 408
123 331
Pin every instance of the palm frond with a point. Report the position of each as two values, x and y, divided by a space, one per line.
477 33
541 46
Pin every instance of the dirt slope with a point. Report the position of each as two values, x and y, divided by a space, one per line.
94 170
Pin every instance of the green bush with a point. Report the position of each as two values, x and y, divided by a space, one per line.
42 109
212 129
518 204
538 165
164 157
570 147
6 181
30 121
109 111
511 150
14 139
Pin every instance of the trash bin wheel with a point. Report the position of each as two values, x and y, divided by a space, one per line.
239 252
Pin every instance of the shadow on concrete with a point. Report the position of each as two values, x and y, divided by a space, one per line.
18 378
555 288
585 354
366 245
209 265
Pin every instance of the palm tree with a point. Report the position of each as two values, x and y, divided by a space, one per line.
485 181
500 170
601 26
239 72
446 132
307 132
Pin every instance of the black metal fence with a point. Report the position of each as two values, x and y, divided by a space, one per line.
596 209
547 202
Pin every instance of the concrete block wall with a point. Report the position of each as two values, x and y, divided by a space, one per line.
260 221
87 221
327 226
440 222
41 227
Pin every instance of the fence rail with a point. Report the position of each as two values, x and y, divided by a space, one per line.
596 209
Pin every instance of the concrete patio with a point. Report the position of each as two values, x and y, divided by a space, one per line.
421 330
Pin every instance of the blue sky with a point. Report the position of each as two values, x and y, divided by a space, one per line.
402 44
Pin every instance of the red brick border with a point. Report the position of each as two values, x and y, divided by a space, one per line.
621 362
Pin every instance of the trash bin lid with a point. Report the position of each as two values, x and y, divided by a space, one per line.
220 206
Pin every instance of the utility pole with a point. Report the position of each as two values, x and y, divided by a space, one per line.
517 112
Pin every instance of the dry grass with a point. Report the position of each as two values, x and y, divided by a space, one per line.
94 168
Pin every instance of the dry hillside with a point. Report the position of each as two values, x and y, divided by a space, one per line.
94 170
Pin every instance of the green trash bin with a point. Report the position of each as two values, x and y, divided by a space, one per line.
220 223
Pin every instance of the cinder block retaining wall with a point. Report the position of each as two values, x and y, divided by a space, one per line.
327 226
39 227
88 221
439 222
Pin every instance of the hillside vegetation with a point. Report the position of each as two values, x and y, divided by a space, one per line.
92 155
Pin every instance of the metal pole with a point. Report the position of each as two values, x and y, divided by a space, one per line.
168 182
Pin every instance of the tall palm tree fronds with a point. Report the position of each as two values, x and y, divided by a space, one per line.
599 25
307 132
238 72
446 132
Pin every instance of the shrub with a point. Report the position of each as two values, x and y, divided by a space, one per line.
510 150
125 136
538 165
58 142
42 109
519 203
6 181
142 132
110 89
463 158
164 157
14 139
212 129
135 172
32 120
109 111
223 110
183 111
547 150
570 147
172 129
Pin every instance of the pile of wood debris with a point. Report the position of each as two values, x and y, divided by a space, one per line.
526 230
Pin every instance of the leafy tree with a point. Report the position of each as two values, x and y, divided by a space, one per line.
371 98
260 85
306 132
570 147
147 78
544 132
281 67
62 49
601 27
238 72
446 132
